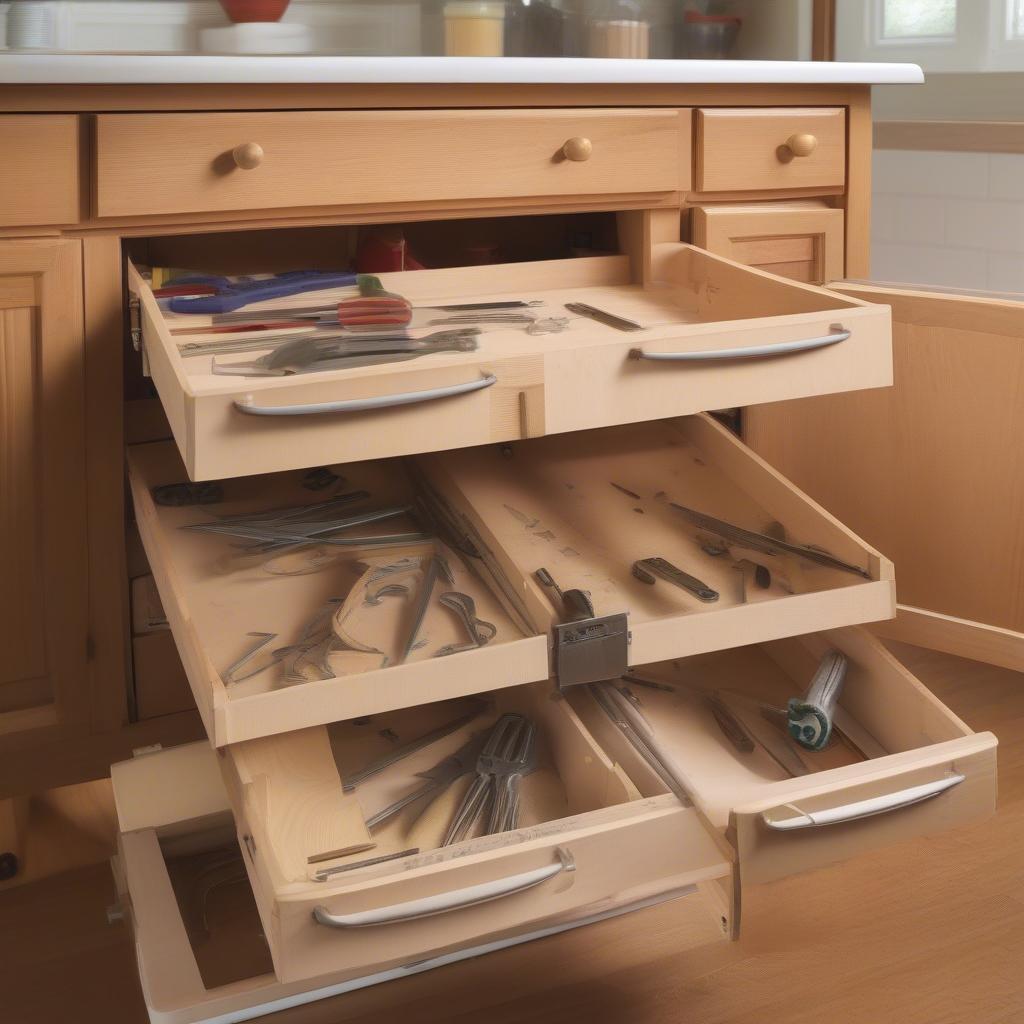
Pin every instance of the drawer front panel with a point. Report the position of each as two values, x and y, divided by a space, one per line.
39 170
715 335
584 838
184 163
771 149
795 240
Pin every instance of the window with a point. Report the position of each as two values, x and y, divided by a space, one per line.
918 19
1016 27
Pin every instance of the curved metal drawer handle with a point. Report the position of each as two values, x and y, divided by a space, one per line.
366 404
444 902
865 808
839 333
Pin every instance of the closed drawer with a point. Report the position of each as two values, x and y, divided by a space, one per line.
585 839
800 239
185 163
39 170
199 939
585 506
904 766
771 148
714 335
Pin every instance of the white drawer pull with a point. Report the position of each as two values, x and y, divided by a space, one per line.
444 902
366 404
751 351
865 808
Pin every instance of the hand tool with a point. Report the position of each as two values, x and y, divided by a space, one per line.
647 569
263 640
282 513
508 769
751 714
638 732
480 632
430 574
338 352
232 294
440 777
503 733
620 323
762 542
576 604
322 310
460 532
730 725
810 717
324 873
651 684
394 756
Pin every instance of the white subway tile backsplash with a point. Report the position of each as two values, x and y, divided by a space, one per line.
920 219
1006 176
1006 272
929 264
883 217
923 173
995 226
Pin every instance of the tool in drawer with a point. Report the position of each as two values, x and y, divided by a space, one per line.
576 604
431 572
518 759
480 632
810 717
438 778
340 352
498 750
356 779
638 732
763 542
320 311
620 323
648 569
232 294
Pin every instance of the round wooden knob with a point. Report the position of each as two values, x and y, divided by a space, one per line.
578 149
801 145
248 155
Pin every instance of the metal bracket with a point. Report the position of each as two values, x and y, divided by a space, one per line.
135 321
591 650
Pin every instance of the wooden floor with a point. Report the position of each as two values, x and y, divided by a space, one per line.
930 932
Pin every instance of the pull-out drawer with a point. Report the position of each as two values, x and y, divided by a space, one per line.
795 149
199 941
586 507
149 164
903 764
715 334
585 838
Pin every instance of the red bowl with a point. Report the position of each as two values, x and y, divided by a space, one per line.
254 10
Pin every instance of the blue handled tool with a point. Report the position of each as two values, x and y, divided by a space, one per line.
234 295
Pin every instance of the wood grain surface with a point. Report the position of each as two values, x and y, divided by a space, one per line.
926 932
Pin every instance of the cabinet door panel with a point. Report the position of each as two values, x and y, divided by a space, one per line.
43 598
930 470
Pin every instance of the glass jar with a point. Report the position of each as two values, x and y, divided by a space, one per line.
474 28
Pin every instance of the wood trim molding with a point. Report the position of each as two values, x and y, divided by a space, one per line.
823 30
951 136
960 637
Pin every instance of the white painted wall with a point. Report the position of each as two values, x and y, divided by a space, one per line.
949 219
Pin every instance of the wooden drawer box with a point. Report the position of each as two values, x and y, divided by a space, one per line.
771 149
149 164
584 506
719 335
38 170
913 768
585 839
199 942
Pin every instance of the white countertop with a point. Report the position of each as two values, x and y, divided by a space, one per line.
160 69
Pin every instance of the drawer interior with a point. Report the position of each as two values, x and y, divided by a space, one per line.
316 856
585 507
888 728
